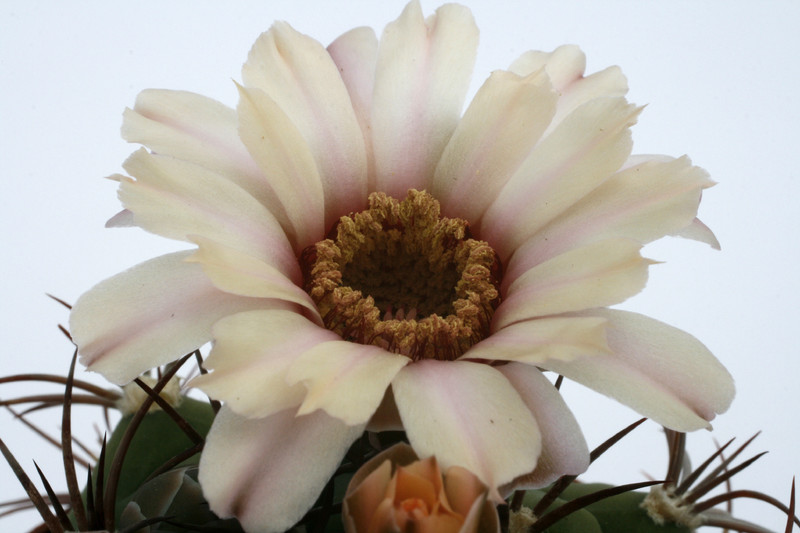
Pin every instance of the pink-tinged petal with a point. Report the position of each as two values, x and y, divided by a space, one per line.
595 275
482 518
564 450
643 202
267 472
533 341
443 416
299 76
252 354
581 153
462 489
565 66
169 307
421 79
345 379
658 370
123 219
176 199
238 273
498 130
698 231
286 159
195 128
356 55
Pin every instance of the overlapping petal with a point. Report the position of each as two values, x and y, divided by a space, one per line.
564 450
421 79
463 413
662 372
269 471
643 202
565 66
302 80
148 316
533 341
498 130
238 273
598 274
585 149
252 354
356 54
200 130
275 143
346 380
178 199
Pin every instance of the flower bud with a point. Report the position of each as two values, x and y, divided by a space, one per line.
397 492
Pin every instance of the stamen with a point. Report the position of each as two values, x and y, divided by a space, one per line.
400 276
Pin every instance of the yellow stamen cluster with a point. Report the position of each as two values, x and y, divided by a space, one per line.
400 276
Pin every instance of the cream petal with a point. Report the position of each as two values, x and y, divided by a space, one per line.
252 354
355 54
564 65
660 371
498 130
482 518
581 153
286 159
422 77
533 341
169 308
299 76
643 203
267 472
464 412
345 379
595 275
698 231
610 82
195 128
238 273
564 450
123 219
175 199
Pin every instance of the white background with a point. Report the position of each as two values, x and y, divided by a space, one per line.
721 80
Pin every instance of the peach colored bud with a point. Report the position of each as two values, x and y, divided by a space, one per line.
396 492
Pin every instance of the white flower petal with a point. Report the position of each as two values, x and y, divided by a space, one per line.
356 55
533 341
251 356
660 371
148 316
238 273
463 413
698 231
498 130
200 130
267 472
643 203
581 152
347 380
564 450
422 77
564 65
299 76
176 199
284 156
596 275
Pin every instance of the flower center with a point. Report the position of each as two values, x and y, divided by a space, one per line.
400 276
